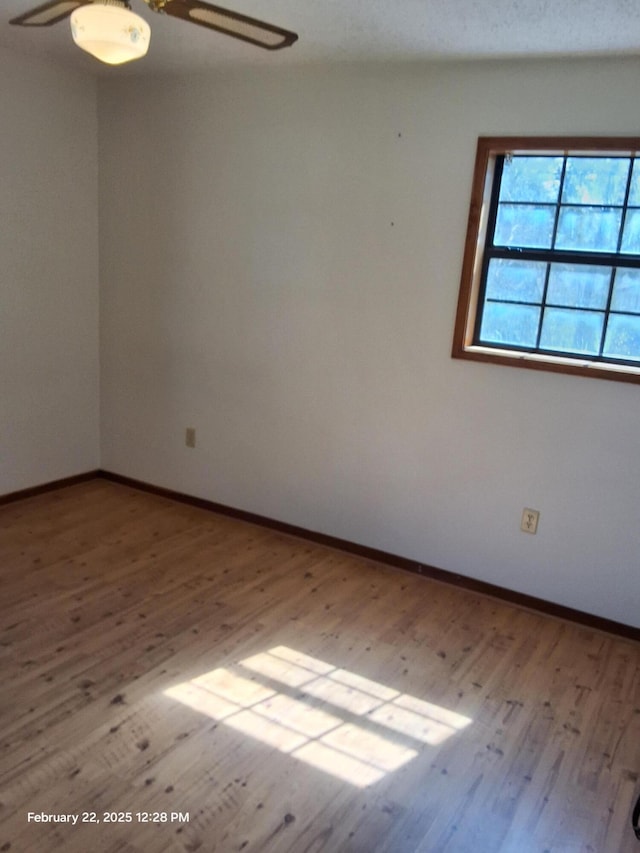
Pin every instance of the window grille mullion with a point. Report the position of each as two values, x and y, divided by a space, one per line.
614 269
543 301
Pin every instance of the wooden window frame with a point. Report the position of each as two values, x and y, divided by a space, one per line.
488 149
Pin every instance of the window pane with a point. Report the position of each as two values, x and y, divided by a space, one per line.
551 269
588 229
626 291
571 331
531 179
504 323
623 337
631 233
578 286
515 281
595 180
634 190
526 225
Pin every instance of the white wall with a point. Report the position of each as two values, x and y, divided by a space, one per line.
280 260
49 397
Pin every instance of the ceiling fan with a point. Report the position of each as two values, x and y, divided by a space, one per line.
111 32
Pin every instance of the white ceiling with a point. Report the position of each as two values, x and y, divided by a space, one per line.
355 30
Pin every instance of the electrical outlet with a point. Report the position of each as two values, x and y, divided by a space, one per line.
529 523
190 437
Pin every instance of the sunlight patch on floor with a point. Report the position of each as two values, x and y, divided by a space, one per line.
338 721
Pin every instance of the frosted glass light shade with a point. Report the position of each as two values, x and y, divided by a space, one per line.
112 34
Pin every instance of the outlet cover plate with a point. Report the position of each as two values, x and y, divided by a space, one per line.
529 522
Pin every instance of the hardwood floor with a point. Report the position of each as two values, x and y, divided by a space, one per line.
161 661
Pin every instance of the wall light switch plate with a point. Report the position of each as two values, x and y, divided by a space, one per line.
190 437
529 523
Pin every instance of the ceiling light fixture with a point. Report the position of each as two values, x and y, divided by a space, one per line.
110 31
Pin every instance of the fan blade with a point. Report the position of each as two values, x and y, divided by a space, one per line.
49 13
230 23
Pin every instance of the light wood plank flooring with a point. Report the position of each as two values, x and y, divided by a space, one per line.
160 663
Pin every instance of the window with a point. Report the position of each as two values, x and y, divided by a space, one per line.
551 271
